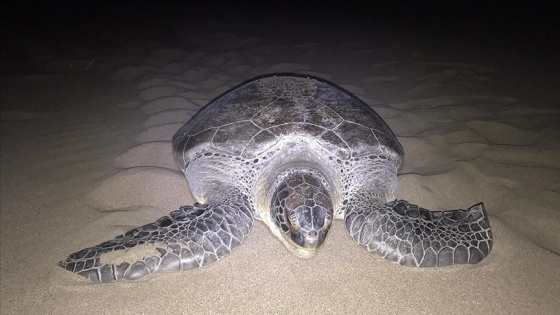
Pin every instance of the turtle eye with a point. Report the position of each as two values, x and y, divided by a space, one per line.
293 221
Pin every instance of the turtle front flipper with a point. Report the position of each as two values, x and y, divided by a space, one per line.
187 238
413 236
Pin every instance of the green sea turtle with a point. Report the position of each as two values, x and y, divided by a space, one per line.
295 152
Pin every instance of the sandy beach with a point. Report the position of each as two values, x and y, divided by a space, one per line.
87 117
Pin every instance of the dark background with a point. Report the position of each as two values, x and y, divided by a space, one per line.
503 21
519 38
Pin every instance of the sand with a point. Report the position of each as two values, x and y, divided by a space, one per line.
86 155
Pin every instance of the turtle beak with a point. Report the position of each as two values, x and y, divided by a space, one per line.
311 239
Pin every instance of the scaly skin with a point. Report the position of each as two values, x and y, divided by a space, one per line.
413 236
190 237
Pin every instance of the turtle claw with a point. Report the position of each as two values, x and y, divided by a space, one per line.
413 236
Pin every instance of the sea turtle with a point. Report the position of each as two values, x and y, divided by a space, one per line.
295 152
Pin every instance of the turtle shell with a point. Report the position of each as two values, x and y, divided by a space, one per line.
255 115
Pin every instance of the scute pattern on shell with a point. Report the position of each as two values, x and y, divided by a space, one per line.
254 116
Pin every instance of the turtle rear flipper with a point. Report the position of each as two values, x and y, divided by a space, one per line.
190 237
413 236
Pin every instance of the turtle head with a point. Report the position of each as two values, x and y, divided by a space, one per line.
302 211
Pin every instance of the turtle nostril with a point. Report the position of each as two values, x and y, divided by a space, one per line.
312 234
